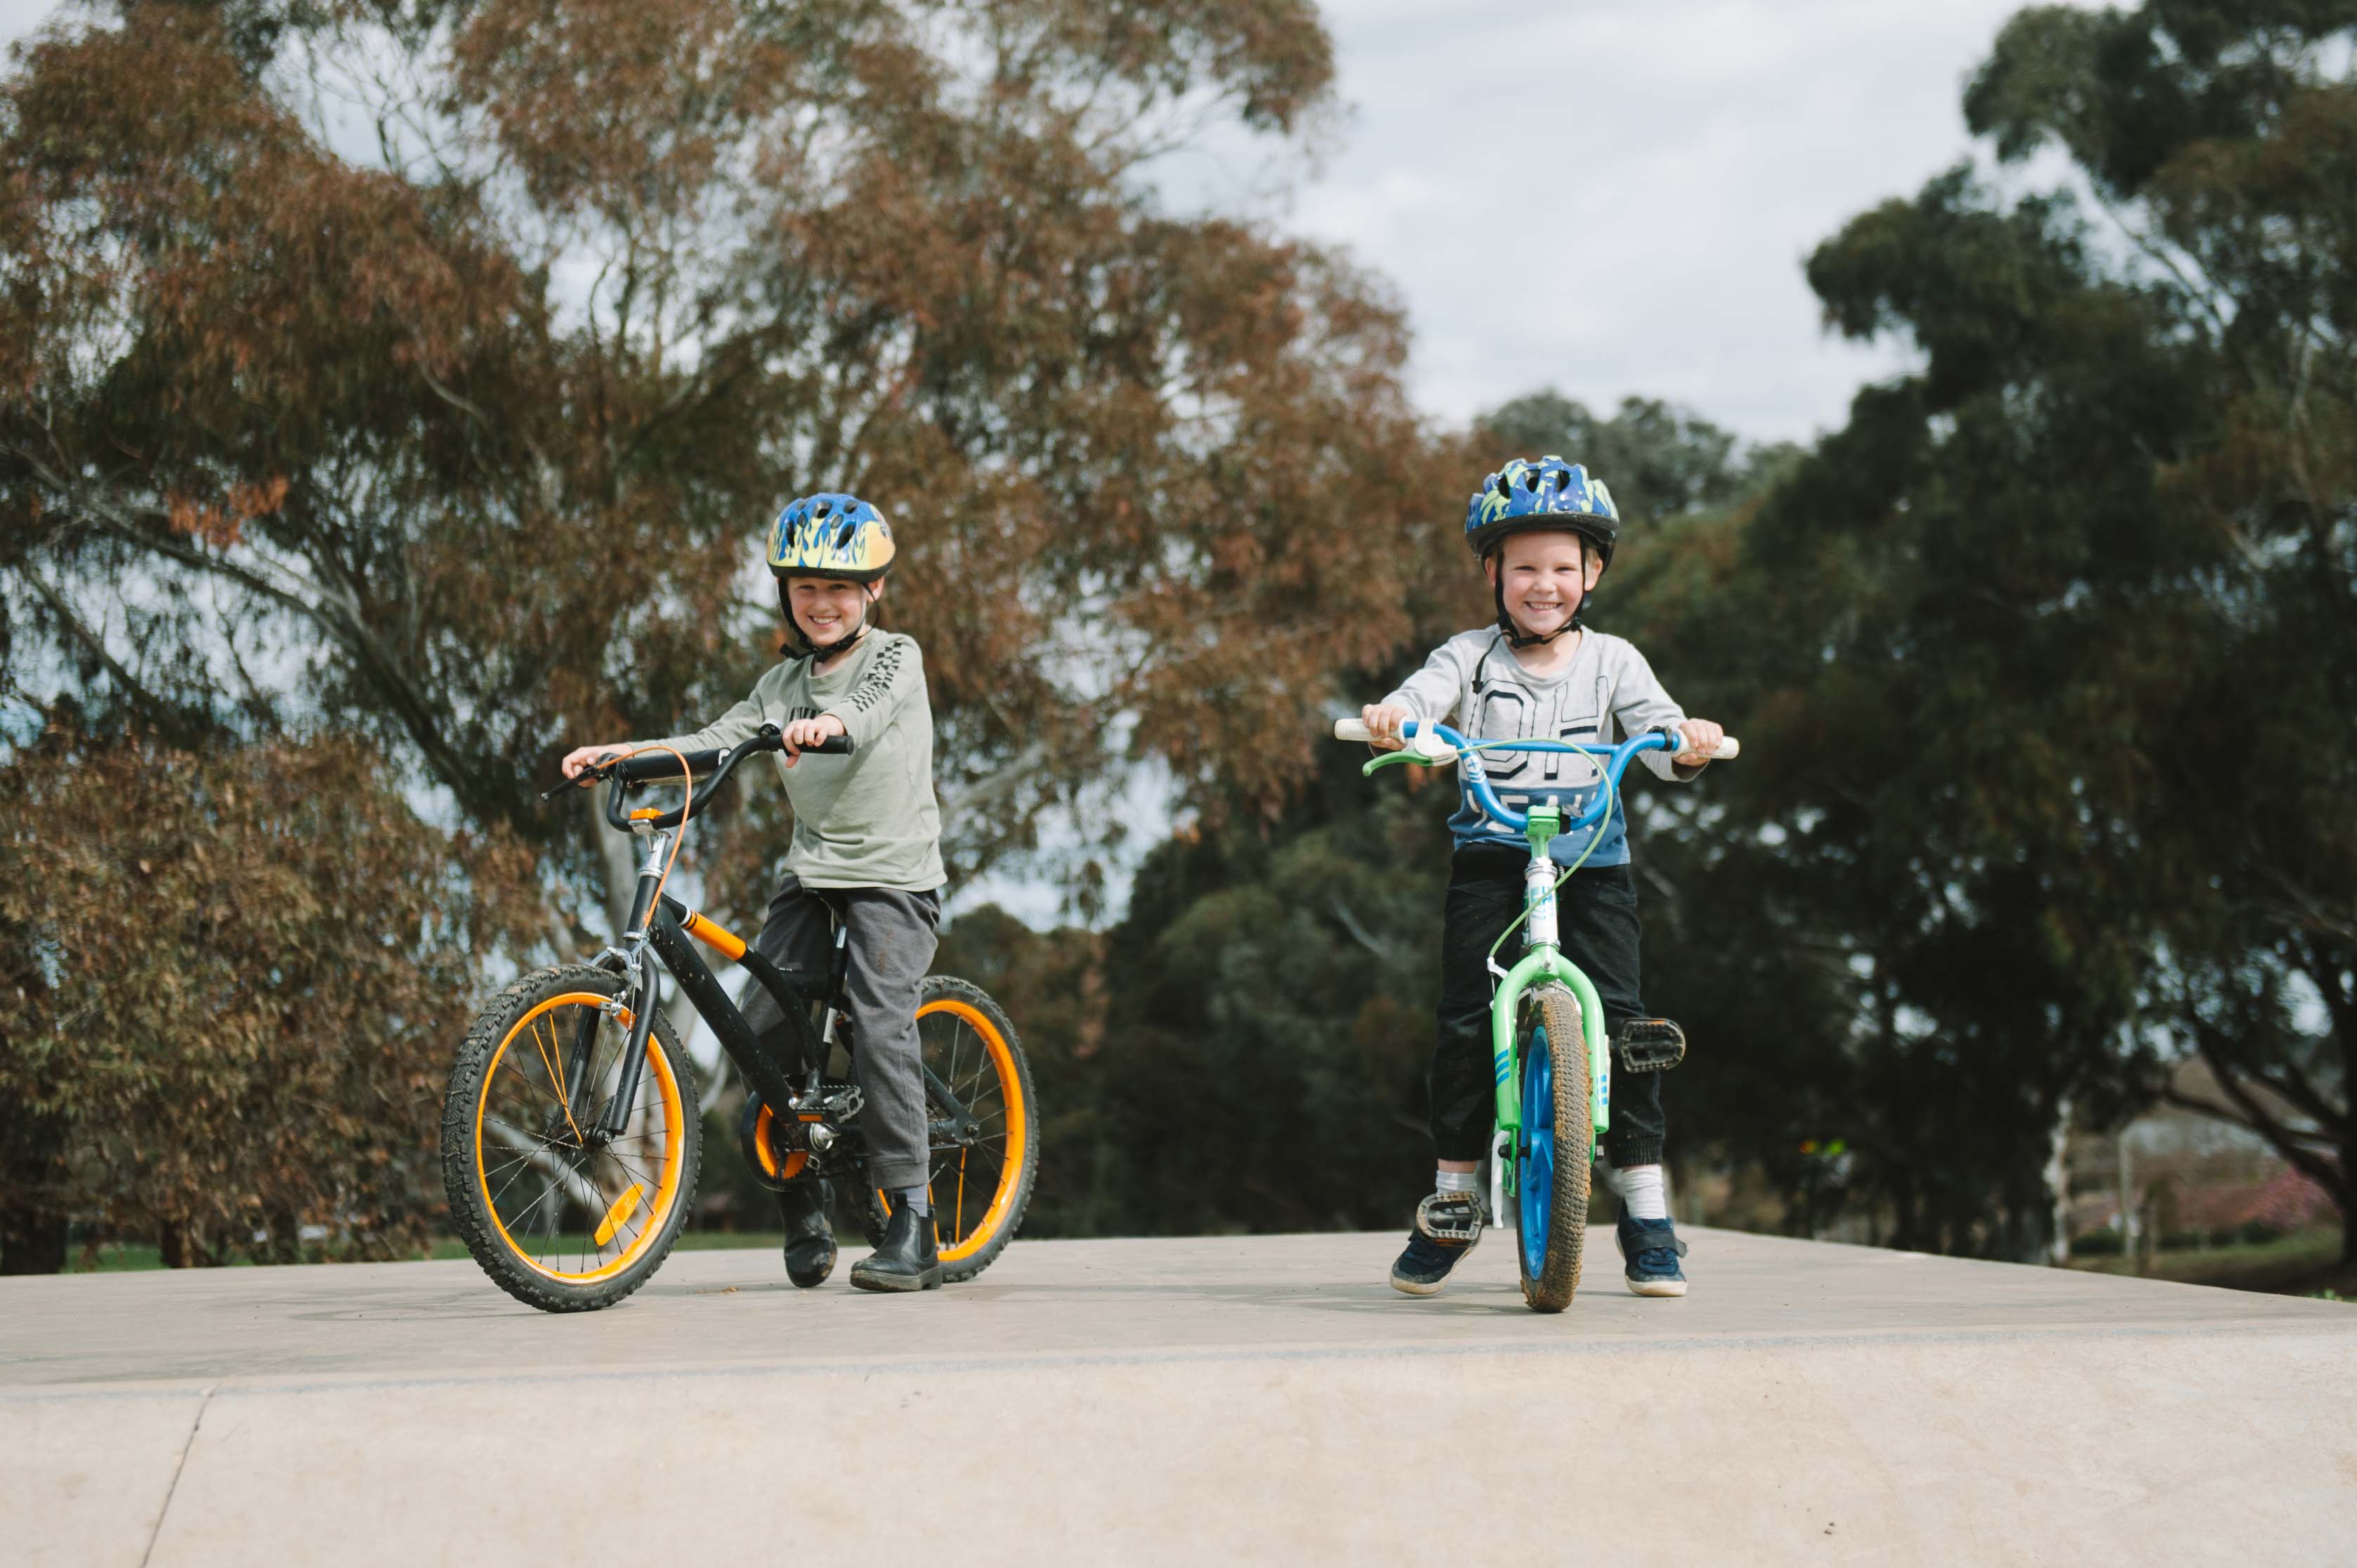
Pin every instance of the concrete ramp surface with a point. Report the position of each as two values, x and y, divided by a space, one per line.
1224 1399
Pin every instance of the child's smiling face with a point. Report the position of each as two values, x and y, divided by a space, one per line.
1546 574
828 609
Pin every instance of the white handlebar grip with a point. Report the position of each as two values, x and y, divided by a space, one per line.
1728 749
1352 730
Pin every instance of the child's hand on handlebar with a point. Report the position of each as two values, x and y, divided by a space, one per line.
583 758
1702 738
809 732
1383 722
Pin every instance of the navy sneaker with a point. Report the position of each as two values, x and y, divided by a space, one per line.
1447 1224
1652 1250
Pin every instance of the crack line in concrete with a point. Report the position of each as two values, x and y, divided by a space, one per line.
177 1466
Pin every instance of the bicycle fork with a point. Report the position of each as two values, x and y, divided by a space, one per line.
640 995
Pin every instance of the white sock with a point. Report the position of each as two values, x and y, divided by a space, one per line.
1639 1189
1454 1181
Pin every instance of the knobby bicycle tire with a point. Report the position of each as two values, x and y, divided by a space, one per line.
1553 1031
653 1192
966 1252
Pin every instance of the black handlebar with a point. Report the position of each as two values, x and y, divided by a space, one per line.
663 767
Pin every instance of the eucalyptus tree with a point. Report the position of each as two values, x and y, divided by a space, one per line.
2052 646
432 369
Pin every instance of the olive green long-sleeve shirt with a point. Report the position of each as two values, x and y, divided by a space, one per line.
869 820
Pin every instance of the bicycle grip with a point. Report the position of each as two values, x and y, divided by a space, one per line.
659 767
1728 749
1352 730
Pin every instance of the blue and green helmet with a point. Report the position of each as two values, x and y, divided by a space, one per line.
1548 493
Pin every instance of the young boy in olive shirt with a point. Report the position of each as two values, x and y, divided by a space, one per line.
865 847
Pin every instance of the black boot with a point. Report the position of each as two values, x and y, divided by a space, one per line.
810 1238
907 1260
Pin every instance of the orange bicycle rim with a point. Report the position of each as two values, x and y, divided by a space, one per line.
666 1191
1019 1125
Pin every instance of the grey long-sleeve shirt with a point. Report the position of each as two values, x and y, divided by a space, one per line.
1473 684
869 820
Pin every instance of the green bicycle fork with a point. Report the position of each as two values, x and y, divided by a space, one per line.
1542 960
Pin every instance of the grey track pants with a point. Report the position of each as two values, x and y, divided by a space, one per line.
891 947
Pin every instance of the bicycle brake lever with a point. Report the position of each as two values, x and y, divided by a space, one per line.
589 777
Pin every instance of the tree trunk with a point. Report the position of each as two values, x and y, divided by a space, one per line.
2126 1180
32 1235
2058 1186
619 853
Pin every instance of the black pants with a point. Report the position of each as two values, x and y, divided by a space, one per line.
1597 914
891 947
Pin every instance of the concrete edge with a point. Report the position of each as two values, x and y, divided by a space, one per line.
1020 1360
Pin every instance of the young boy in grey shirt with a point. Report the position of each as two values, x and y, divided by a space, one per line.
1544 533
865 847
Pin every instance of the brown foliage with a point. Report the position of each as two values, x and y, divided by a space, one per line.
523 389
233 981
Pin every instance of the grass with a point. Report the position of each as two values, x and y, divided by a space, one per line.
117 1256
2306 1264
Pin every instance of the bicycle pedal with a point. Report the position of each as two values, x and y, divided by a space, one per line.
1651 1045
1451 1217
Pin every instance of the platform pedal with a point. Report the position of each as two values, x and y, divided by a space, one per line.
1651 1045
1451 1217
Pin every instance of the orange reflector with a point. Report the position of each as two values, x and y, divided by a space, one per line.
624 1206
646 813
764 1151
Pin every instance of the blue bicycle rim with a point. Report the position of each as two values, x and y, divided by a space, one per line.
1536 1170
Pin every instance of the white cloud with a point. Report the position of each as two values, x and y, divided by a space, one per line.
1618 198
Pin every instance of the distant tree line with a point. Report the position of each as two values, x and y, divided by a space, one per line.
2043 663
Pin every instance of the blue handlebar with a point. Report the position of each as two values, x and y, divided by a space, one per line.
1477 782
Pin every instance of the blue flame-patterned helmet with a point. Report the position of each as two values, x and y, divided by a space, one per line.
831 535
1549 493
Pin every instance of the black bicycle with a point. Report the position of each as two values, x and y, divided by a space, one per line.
571 1135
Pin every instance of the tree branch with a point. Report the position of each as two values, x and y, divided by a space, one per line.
167 716
335 614
2248 1113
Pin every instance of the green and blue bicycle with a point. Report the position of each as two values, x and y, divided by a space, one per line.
1546 1027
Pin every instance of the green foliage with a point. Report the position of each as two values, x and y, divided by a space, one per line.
233 981
1659 460
2040 649
1245 1051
